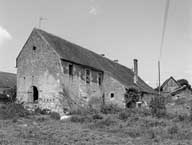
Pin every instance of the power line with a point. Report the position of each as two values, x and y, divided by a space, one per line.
164 27
162 40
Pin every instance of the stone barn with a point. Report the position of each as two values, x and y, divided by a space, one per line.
56 74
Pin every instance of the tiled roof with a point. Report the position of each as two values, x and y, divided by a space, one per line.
77 54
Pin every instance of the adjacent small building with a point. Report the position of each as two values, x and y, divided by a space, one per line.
58 75
175 89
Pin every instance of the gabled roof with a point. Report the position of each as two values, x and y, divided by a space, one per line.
77 54
166 81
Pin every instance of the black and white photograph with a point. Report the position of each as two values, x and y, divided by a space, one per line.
95 72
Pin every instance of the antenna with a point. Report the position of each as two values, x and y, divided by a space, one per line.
162 41
40 21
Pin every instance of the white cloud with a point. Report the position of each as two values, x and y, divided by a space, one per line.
93 11
4 35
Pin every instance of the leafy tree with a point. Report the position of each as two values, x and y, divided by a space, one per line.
132 96
183 82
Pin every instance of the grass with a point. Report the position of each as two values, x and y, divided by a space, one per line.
86 127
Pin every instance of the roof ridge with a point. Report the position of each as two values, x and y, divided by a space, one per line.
81 55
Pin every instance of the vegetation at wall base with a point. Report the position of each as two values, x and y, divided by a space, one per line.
112 126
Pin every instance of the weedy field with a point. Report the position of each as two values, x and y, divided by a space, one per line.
109 126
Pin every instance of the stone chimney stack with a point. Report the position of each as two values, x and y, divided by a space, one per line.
135 79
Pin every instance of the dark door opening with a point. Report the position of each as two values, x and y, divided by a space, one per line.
35 94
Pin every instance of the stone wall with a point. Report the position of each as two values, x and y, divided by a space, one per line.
114 91
38 65
75 85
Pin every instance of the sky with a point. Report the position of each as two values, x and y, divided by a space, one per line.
120 29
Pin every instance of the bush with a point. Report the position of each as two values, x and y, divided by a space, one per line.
41 119
157 106
109 121
42 111
124 115
97 116
13 110
80 118
182 117
173 130
131 97
55 115
83 111
110 109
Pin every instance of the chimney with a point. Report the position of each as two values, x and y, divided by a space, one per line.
102 55
135 79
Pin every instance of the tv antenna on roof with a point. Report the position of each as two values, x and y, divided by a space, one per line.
162 40
40 21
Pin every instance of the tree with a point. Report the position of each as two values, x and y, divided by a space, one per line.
183 82
132 96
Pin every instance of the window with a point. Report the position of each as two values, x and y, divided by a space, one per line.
99 78
70 69
112 95
87 76
34 48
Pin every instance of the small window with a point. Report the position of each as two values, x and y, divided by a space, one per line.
87 76
34 48
99 79
70 69
112 95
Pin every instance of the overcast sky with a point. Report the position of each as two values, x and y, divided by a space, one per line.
121 29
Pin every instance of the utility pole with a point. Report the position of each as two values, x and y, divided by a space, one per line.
162 41
40 21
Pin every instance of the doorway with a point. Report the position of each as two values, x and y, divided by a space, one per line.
35 94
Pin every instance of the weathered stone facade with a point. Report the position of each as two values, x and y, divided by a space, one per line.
55 74
114 91
39 66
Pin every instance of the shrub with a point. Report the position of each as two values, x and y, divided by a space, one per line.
83 111
173 130
157 106
110 109
124 115
80 118
182 117
55 115
109 121
97 116
42 111
41 119
131 97
13 110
